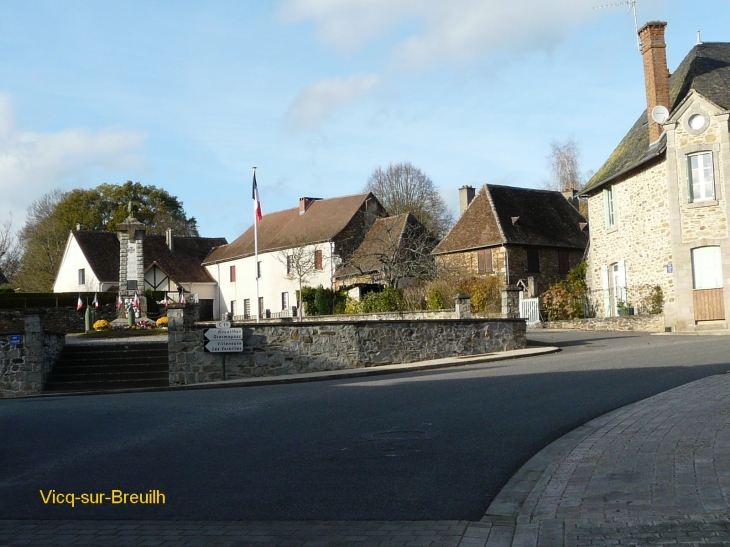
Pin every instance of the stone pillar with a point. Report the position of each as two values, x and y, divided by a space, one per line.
131 234
463 306
511 302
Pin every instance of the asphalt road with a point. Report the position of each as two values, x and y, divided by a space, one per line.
423 446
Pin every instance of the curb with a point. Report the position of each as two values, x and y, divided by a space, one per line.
326 375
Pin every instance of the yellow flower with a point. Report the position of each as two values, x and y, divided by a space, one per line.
162 321
102 324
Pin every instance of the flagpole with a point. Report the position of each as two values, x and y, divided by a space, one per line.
256 255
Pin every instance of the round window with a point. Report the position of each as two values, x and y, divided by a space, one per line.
697 122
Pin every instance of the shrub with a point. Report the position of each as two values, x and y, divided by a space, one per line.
162 322
353 306
485 293
655 303
322 301
565 299
387 300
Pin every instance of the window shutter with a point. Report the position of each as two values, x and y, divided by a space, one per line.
606 292
481 262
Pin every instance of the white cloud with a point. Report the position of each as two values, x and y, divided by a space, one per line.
319 100
32 164
453 30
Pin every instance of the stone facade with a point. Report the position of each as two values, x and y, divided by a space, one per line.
515 258
58 320
131 234
658 225
291 348
25 367
635 323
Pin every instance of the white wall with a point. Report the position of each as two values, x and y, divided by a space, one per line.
73 260
272 283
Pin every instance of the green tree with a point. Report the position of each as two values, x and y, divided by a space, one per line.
403 188
50 218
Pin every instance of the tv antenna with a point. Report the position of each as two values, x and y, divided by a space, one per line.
631 6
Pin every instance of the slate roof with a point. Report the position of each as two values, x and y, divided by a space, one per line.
706 69
322 221
546 219
101 249
386 237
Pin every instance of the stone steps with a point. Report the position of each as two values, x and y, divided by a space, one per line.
110 367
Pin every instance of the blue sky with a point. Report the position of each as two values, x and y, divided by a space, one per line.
188 96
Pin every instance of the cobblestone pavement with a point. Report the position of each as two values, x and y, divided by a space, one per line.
656 472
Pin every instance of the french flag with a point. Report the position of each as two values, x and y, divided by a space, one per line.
96 302
256 203
79 304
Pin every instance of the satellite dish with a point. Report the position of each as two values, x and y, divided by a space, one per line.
659 114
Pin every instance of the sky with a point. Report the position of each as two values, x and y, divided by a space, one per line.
189 96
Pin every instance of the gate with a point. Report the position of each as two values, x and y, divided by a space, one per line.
530 310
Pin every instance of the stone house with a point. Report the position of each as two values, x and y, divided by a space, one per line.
659 205
305 243
517 234
394 252
132 262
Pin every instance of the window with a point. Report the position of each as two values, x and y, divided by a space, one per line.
563 262
533 260
289 264
318 259
258 269
609 207
261 306
246 308
233 274
233 307
707 268
82 276
284 300
701 177
484 261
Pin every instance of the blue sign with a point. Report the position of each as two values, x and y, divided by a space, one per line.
670 268
15 339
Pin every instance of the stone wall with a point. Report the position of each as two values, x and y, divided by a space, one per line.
637 323
291 348
25 367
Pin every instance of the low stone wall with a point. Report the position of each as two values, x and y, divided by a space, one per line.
25 367
291 348
384 316
637 323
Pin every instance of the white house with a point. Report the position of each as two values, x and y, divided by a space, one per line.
91 263
305 244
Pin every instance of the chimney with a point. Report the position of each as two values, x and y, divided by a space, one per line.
466 194
168 239
78 227
656 73
572 197
304 204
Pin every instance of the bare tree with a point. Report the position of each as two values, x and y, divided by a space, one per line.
563 166
301 263
403 188
394 249
10 252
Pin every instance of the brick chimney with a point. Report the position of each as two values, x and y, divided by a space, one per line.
466 194
304 204
656 73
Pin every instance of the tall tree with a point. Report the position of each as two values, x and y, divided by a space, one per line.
403 188
563 166
43 238
9 252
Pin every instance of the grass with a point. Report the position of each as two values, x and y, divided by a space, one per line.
125 333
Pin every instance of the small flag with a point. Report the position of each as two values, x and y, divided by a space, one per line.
256 203
182 298
136 301
120 303
96 302
167 300
79 304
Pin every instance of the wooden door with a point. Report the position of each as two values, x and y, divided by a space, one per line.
709 304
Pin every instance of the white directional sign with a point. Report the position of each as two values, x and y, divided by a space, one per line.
222 346
223 324
235 333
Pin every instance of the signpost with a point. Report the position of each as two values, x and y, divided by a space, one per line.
235 333
223 340
224 346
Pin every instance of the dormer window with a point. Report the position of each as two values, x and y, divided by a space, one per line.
701 177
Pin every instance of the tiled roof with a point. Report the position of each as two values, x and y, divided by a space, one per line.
387 239
322 221
706 69
518 216
183 265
